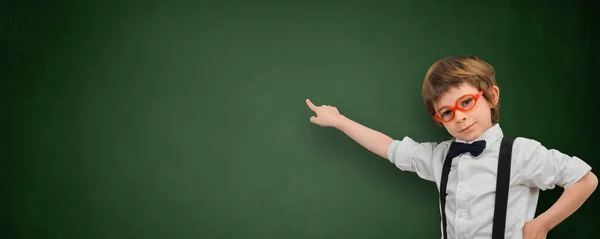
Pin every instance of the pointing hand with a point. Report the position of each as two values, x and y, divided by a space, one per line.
326 115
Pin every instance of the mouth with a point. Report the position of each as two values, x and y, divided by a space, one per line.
467 128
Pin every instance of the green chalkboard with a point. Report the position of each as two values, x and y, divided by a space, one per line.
187 119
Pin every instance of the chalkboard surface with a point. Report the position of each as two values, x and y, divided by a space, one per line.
187 119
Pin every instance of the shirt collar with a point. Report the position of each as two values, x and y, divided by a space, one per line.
490 135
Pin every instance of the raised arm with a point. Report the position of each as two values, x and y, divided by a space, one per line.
329 116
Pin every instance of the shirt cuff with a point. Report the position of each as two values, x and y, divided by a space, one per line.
392 149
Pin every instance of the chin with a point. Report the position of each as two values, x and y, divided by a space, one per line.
468 136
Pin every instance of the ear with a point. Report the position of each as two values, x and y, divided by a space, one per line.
494 95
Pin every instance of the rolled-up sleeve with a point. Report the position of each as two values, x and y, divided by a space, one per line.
412 156
545 168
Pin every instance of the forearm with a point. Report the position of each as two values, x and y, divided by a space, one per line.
372 140
571 199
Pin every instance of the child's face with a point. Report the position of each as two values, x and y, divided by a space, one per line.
471 124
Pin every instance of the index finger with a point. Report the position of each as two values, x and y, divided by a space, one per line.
311 105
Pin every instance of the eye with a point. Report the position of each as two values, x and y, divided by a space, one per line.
467 102
445 113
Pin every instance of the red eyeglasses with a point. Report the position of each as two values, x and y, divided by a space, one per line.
464 103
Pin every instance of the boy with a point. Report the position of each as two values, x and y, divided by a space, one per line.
462 95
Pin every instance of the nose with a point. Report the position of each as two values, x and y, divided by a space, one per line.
460 116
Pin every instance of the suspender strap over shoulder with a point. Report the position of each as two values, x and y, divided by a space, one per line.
443 184
502 185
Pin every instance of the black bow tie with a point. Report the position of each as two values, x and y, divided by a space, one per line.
457 148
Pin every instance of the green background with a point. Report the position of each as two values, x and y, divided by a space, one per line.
186 119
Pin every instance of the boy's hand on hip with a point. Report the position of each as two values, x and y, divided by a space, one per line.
534 230
326 115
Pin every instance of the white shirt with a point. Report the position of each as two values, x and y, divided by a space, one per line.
472 180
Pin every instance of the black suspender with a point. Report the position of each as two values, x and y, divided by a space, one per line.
502 185
443 193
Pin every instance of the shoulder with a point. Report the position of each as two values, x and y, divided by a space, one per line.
435 145
408 139
525 143
523 151
527 149
409 145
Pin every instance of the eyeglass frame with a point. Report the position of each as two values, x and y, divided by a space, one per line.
456 107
